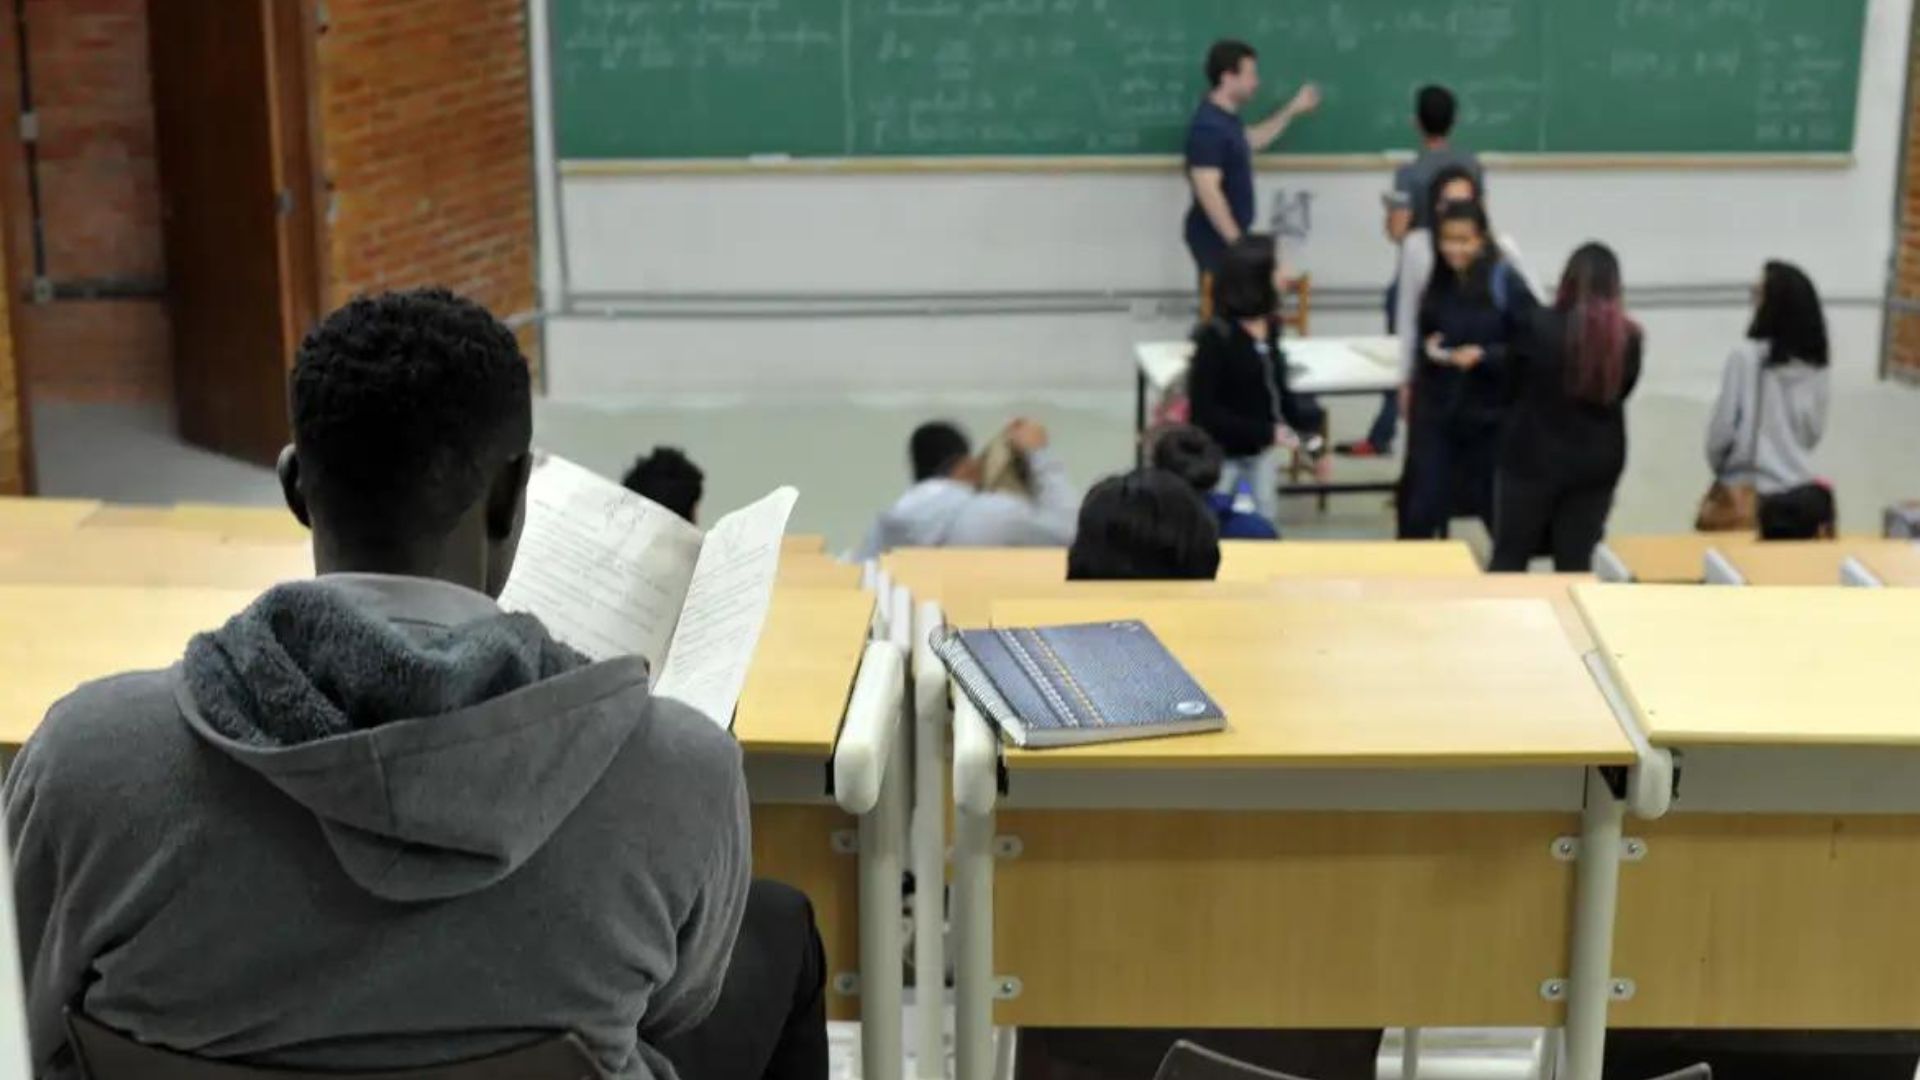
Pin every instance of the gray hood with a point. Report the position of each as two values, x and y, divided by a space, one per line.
438 754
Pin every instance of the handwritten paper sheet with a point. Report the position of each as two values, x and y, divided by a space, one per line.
606 570
726 607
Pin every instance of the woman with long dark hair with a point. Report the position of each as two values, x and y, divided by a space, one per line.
1772 409
1566 441
1470 315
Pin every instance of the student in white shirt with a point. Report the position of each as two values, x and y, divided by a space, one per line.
948 506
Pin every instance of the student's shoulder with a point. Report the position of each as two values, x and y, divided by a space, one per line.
690 745
108 734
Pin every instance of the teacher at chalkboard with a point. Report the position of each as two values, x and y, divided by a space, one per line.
1220 153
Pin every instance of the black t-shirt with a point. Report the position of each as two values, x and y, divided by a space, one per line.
1217 140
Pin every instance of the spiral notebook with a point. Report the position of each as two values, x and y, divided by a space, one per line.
1071 685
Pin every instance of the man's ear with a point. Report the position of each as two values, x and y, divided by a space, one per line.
504 500
289 469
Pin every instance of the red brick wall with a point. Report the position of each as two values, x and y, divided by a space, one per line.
427 138
13 448
1903 327
100 202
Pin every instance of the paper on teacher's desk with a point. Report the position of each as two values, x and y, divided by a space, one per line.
727 607
606 570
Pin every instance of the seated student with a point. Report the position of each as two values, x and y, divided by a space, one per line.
1146 525
670 479
1236 382
1772 408
1188 453
374 822
948 507
1806 512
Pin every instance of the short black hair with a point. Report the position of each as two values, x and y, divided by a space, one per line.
1146 525
1189 453
1225 57
1807 512
1243 285
1446 177
404 406
1789 317
935 448
1436 107
669 478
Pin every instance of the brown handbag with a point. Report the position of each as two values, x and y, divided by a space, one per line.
1736 507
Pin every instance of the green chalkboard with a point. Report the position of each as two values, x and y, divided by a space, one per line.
931 78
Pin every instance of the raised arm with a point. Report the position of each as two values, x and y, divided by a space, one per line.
1267 132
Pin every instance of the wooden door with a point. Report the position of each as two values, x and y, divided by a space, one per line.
231 89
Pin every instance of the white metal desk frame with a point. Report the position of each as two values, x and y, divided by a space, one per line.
1855 575
1602 796
871 767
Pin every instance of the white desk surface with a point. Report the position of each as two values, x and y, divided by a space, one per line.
1316 365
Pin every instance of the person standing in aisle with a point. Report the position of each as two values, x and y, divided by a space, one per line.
1220 151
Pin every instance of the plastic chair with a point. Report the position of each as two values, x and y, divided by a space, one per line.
106 1054
1186 1061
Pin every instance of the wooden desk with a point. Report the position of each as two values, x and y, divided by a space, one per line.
1896 565
55 637
18 514
805 570
967 581
806 543
1808 562
1679 559
787 723
253 523
1776 894
1383 781
1253 560
145 557
1555 589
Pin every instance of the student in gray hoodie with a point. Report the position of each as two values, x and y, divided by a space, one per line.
948 507
1772 409
374 821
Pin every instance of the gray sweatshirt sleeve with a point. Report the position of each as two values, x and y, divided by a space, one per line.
1809 412
1723 427
1416 269
705 948
53 951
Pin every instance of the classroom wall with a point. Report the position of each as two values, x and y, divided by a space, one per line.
427 141
13 417
99 203
1025 280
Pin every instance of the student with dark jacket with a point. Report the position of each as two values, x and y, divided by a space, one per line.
1471 312
1566 442
1236 383
375 822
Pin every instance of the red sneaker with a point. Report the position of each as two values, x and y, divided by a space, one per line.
1360 448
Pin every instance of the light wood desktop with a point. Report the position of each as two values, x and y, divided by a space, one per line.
788 720
19 514
1555 589
1803 562
967 581
1679 559
1776 893
128 557
811 570
1893 565
1188 867
806 543
55 637
1444 682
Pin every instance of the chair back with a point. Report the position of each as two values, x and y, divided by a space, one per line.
106 1054
1186 1061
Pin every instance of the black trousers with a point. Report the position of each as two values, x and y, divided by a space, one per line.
771 1020
1448 473
1533 517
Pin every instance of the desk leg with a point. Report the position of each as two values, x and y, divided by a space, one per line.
882 840
931 721
1596 899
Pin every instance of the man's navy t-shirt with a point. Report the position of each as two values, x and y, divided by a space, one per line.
1217 140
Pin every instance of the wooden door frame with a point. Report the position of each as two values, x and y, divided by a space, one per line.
293 63
16 225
